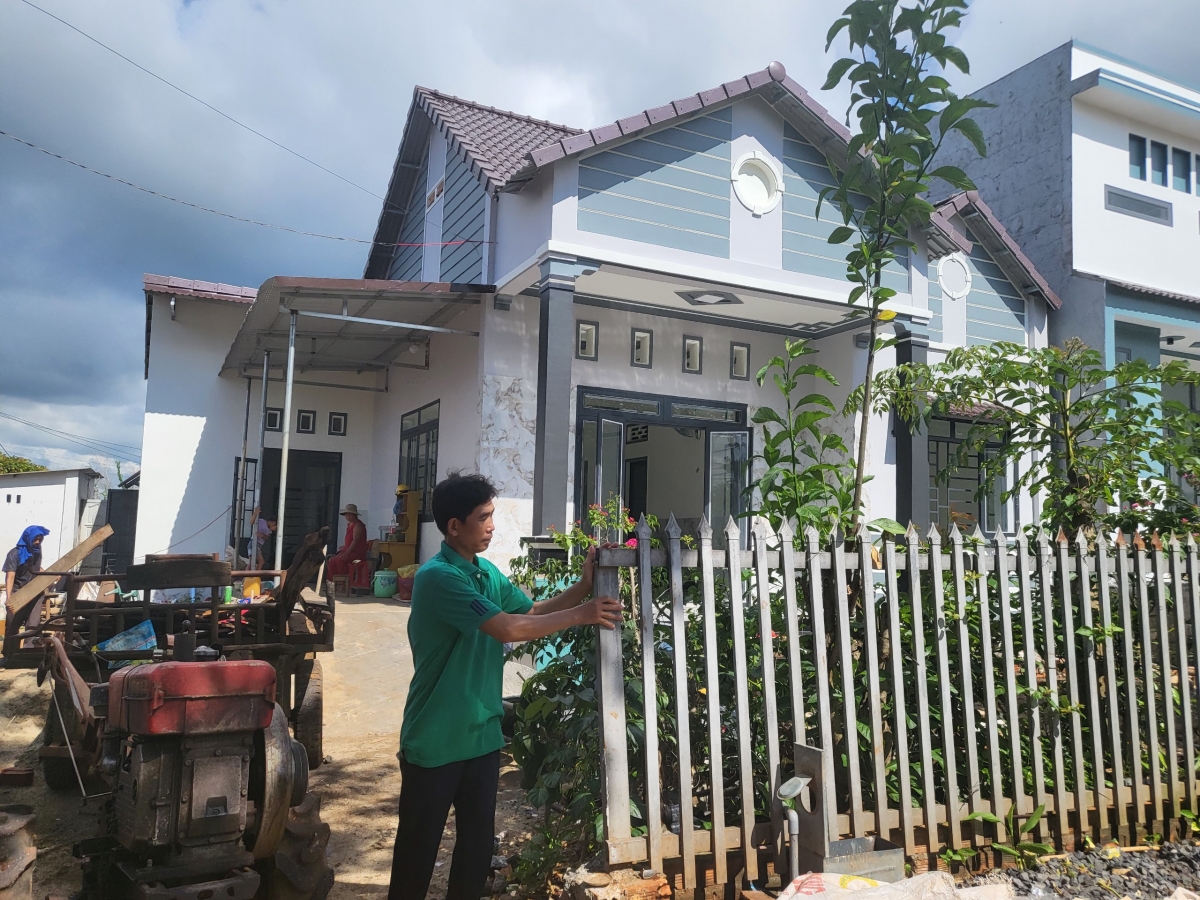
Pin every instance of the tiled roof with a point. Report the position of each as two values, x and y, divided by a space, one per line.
772 83
1007 253
496 141
208 290
1154 292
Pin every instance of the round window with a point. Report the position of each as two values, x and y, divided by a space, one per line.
954 276
756 184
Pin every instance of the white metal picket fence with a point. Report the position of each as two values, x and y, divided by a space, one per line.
965 678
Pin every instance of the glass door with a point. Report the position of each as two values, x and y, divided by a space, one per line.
728 471
602 465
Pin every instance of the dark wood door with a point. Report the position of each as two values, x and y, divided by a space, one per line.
314 491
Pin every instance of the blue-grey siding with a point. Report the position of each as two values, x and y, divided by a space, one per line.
995 309
670 188
935 305
406 260
806 246
463 210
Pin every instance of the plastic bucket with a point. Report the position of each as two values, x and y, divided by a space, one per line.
384 584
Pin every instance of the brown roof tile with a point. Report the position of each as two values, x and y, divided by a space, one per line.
495 141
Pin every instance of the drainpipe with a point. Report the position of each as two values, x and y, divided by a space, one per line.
281 511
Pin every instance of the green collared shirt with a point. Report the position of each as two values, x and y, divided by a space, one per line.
454 703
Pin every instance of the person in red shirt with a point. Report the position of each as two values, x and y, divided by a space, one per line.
354 547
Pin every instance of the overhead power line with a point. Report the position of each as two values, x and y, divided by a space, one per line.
109 449
217 212
206 104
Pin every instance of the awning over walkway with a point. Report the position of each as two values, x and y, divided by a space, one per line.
349 325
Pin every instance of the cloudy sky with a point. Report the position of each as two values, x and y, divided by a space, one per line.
332 81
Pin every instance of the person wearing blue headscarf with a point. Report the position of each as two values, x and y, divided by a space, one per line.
22 563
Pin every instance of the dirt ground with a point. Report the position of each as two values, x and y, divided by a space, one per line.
365 683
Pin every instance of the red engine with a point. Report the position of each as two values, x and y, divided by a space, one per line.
206 784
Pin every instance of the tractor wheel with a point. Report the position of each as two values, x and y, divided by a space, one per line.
308 710
57 770
299 869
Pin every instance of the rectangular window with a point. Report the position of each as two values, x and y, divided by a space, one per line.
623 404
337 424
641 348
693 355
586 336
1158 163
418 453
1137 205
706 413
306 421
274 419
739 362
1137 157
1181 170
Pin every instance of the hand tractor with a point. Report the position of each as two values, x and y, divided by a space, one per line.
206 790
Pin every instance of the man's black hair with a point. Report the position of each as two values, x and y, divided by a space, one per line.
458 496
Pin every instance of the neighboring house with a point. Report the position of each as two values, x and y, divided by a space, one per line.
67 501
1091 166
578 315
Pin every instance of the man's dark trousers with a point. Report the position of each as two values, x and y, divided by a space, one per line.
425 799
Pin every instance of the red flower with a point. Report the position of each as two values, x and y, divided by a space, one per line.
632 542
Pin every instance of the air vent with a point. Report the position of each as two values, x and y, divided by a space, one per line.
1138 206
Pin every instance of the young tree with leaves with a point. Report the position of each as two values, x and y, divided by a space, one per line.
903 108
1083 436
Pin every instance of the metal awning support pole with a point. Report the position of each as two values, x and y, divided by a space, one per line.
239 505
281 510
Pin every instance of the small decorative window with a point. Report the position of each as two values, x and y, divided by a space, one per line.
1158 163
1137 157
954 275
1181 170
1140 207
586 336
739 362
641 349
274 419
757 182
337 424
693 355
306 421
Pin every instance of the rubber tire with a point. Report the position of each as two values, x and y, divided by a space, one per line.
300 868
309 710
57 770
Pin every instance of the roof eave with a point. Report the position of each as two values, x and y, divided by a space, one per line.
1004 249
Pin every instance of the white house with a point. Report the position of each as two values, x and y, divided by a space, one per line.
67 501
578 315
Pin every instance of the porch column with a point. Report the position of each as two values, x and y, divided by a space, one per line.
556 342
912 450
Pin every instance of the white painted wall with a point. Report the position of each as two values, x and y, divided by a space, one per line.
1120 247
756 239
192 431
65 501
452 378
522 226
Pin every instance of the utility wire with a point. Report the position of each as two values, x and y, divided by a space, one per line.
68 433
204 103
217 212
90 443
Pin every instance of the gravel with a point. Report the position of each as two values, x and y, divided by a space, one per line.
1108 874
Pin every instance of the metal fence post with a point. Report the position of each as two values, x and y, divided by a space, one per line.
610 685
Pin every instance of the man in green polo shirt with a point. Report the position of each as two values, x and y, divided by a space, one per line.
463 612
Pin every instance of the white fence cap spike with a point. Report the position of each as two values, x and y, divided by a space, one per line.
731 528
761 529
1081 538
934 536
1173 543
1101 540
704 529
811 534
956 535
1191 541
786 533
911 532
673 530
977 534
